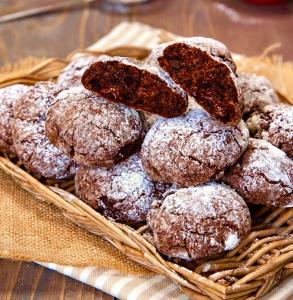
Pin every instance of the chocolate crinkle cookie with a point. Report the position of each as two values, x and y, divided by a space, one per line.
274 123
263 175
136 85
199 221
123 193
257 91
192 149
71 75
92 130
204 69
28 132
8 98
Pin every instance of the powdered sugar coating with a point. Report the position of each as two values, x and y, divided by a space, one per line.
28 131
263 175
123 193
92 130
231 241
199 221
215 48
257 91
8 97
274 123
192 149
71 75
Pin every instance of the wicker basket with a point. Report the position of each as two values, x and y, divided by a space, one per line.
263 259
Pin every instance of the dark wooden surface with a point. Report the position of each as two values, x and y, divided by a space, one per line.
27 281
244 28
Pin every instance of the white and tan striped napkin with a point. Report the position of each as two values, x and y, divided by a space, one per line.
144 287
132 34
138 287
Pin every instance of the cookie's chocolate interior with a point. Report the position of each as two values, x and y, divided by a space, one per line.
207 80
134 87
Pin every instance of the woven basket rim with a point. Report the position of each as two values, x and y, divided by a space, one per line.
71 205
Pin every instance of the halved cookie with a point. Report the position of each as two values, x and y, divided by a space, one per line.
136 85
204 69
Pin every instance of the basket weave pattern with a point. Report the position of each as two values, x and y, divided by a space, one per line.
247 272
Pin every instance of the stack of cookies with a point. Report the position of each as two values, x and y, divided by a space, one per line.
180 141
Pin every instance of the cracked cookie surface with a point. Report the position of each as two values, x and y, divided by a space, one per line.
28 132
71 75
123 193
257 91
274 123
91 130
8 98
192 149
263 175
199 221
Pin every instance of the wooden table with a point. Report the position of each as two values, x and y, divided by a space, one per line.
244 28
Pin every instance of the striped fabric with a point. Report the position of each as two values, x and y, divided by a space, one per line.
146 287
151 287
132 34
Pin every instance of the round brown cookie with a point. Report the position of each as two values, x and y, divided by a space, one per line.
192 149
199 221
204 69
136 85
71 75
91 130
8 97
257 91
274 123
28 132
123 193
263 175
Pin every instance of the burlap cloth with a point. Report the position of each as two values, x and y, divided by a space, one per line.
32 230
